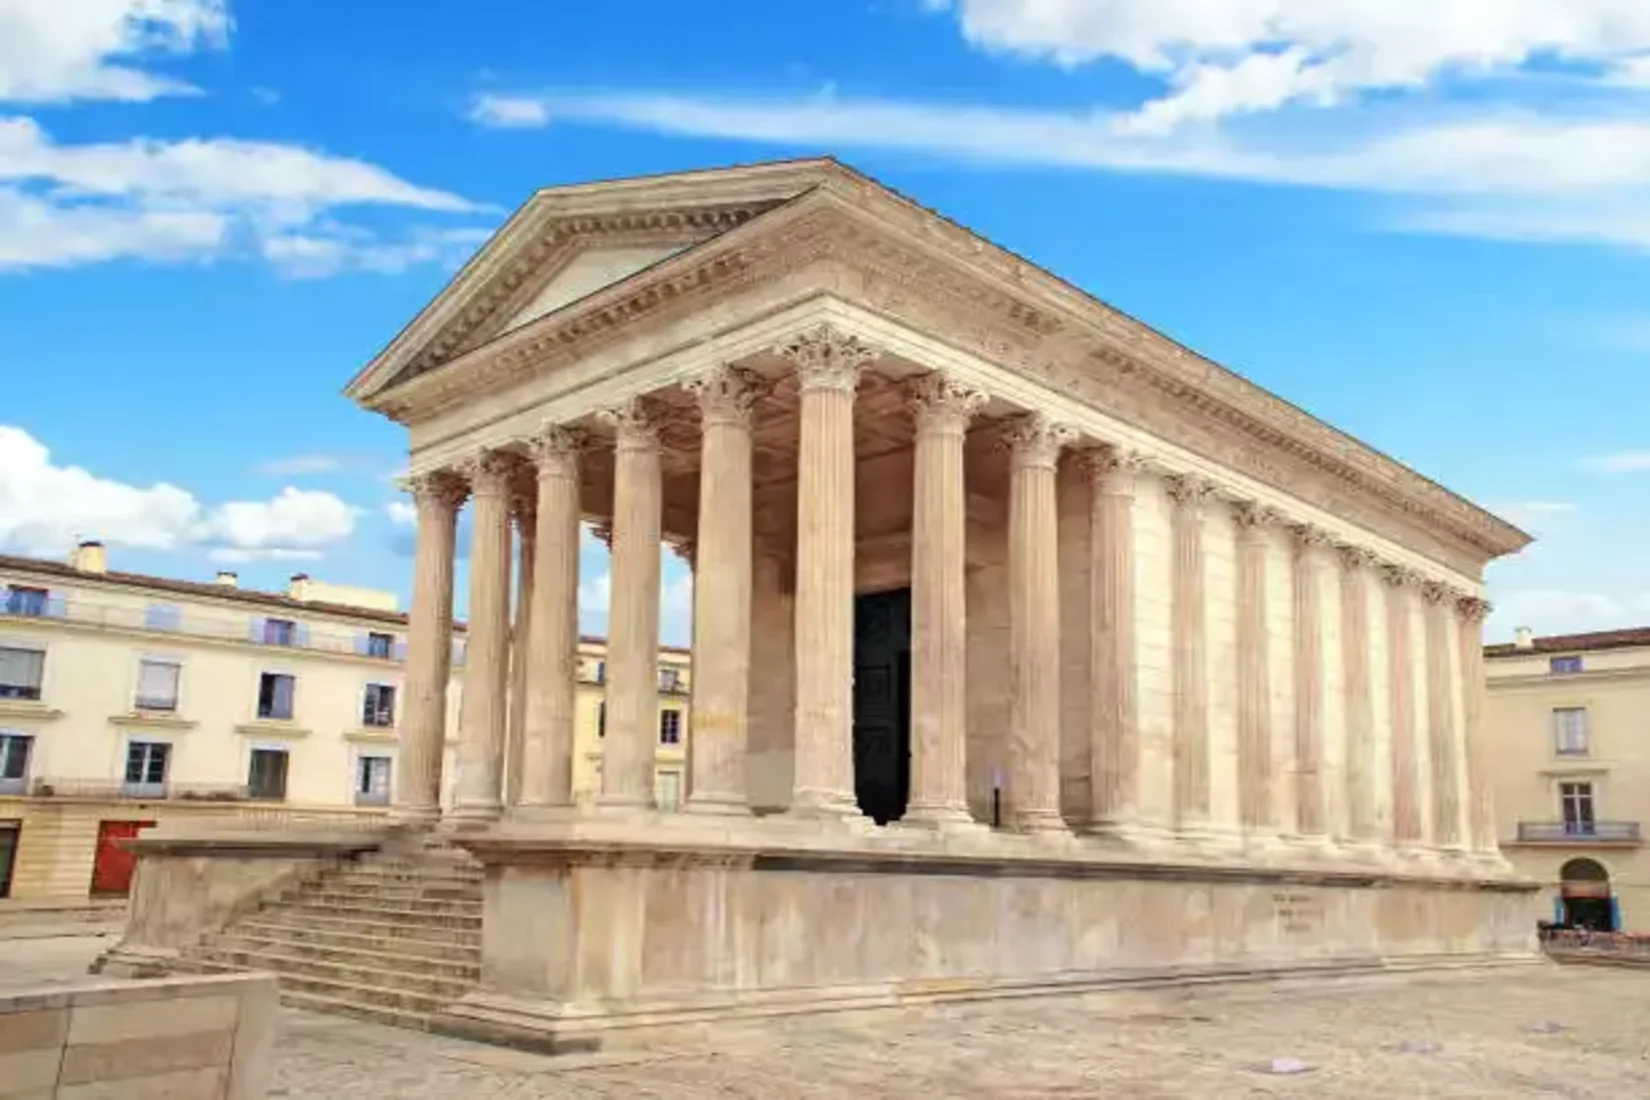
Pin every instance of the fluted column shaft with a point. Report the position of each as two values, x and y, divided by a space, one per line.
483 716
522 509
722 595
1361 823
1115 744
1256 806
1034 624
553 625
828 365
1443 745
633 620
1406 806
429 649
939 631
1190 656
1310 817
1480 794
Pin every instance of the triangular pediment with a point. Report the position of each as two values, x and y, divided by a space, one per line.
566 243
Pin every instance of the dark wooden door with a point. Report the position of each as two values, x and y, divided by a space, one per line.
9 832
882 703
112 864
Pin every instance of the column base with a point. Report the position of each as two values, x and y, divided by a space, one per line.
472 814
1047 823
948 819
814 804
715 805
416 817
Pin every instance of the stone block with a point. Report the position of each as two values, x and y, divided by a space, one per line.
138 1019
145 1056
33 1030
27 1071
251 1058
206 1083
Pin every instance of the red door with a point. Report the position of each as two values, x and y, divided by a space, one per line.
112 865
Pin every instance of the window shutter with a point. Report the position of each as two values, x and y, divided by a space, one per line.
300 636
257 630
399 650
363 644
57 604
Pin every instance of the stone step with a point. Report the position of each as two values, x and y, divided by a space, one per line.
415 890
337 1006
369 872
444 865
309 910
443 960
379 903
360 993
343 932
304 966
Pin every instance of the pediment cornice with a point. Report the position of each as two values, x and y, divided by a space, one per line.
884 253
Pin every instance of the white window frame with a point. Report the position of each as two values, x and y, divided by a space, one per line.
30 645
660 777
144 788
20 785
1587 797
172 659
1572 735
395 704
357 763
257 690
269 746
665 716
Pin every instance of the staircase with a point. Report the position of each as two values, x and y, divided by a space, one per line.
391 939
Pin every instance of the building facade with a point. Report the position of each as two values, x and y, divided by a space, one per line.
998 594
127 700
1567 720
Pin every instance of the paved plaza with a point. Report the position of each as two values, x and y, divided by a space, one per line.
1543 1030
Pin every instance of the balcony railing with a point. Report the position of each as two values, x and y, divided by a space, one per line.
1576 832
170 618
68 787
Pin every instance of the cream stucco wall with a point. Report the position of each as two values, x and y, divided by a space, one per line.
1614 687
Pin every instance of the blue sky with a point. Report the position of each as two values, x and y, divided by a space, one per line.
1428 223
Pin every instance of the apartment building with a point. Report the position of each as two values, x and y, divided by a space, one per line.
1569 719
128 699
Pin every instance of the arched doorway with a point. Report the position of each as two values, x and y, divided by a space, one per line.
1584 896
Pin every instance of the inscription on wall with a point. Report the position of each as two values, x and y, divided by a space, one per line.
1298 912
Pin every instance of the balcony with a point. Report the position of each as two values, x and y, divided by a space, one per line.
65 787
1578 834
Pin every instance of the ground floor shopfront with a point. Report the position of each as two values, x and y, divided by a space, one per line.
1604 889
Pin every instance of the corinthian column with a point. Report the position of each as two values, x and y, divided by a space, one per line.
1310 814
1034 624
523 509
483 714
633 621
1361 823
828 364
1190 656
1442 743
429 649
1115 736
1406 806
722 594
553 625
1256 806
939 634
1480 797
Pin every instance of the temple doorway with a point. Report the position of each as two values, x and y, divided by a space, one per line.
1584 896
882 703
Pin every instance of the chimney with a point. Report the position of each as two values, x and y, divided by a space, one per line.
298 587
1523 638
228 578
90 557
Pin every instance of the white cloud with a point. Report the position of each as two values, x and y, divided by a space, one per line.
595 595
1620 462
506 112
205 198
53 51
299 465
401 513
45 508
1558 611
234 555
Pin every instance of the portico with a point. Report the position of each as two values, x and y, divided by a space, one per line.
1186 683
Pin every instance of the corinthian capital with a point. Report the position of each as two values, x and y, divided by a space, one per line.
1035 440
725 395
557 450
633 423
1472 609
1438 593
1251 516
943 404
1354 558
488 471
443 490
1400 576
1188 490
827 359
1309 537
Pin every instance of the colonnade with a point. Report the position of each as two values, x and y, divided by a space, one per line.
828 365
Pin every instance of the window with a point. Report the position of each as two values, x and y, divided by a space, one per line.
1577 802
372 781
670 679
601 718
266 777
670 727
1570 731
280 632
157 686
1564 664
27 601
162 616
21 671
146 767
14 762
378 709
667 791
380 645
275 696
